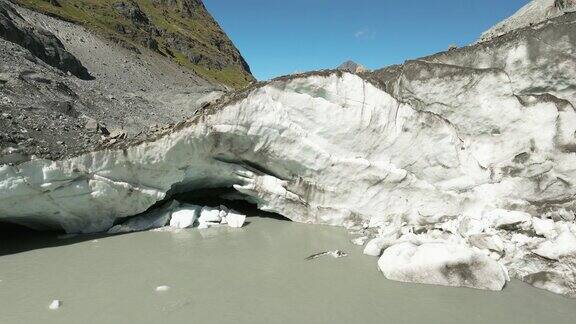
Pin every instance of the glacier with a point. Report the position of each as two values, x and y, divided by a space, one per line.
461 164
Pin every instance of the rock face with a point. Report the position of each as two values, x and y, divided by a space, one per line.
41 43
533 13
466 155
47 113
182 31
352 67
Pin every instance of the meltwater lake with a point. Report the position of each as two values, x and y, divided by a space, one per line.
255 274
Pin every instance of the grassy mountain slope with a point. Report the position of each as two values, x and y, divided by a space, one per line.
180 29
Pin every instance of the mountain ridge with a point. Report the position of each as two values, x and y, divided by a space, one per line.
181 30
534 12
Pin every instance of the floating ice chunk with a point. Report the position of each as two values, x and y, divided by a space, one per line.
162 288
152 219
210 215
544 227
185 216
224 220
563 245
442 264
504 219
360 240
235 219
55 304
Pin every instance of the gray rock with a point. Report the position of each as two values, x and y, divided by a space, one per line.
118 134
4 78
53 2
352 67
91 124
40 42
132 11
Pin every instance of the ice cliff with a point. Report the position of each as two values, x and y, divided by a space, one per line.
460 165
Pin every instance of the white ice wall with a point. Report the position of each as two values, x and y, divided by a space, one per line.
447 163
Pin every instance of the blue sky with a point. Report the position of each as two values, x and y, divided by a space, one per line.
279 37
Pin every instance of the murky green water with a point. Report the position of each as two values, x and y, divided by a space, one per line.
256 274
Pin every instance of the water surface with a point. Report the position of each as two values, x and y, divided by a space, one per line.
256 274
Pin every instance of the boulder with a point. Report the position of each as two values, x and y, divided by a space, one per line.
131 10
118 134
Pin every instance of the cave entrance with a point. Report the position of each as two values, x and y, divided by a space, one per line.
223 196
13 230
15 238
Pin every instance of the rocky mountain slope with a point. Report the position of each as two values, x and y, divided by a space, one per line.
66 90
533 13
181 30
41 44
457 168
